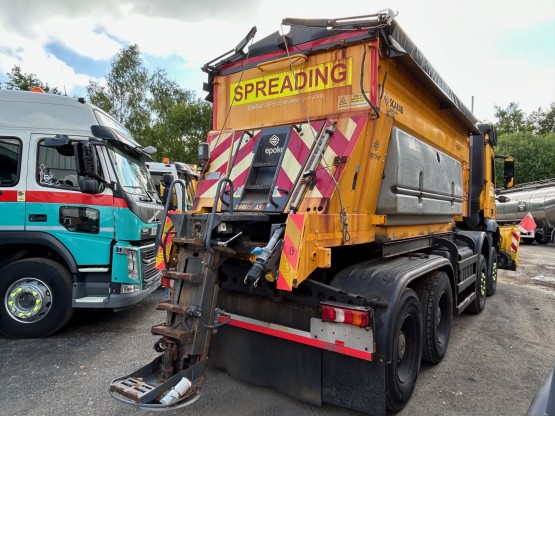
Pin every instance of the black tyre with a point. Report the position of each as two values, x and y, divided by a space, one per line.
479 302
436 299
35 298
542 238
405 351
493 266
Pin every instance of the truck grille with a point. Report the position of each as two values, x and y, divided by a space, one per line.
148 261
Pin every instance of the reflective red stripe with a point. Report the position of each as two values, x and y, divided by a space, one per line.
290 171
296 336
8 196
62 197
220 155
243 160
342 143
515 241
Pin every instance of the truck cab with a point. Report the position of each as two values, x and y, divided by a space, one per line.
78 213
176 170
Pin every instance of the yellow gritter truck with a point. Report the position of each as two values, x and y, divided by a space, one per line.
345 211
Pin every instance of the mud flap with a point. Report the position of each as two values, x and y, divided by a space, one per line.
290 368
353 383
304 373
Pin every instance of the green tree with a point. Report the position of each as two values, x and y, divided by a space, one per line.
179 133
530 140
511 119
125 94
154 108
19 81
543 122
534 156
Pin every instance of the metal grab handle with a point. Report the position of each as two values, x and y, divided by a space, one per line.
231 193
295 59
169 198
217 197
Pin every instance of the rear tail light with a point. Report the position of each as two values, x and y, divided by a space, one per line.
355 315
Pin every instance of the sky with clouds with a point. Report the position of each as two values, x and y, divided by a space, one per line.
490 52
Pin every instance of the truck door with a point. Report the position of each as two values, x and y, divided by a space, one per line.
84 223
13 175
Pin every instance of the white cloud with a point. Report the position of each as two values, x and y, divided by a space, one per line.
32 58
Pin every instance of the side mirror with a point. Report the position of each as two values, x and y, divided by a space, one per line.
203 153
86 161
509 172
167 179
502 199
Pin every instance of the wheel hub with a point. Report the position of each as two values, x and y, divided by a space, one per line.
28 300
438 316
401 346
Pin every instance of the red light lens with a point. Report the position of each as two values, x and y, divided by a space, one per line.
353 317
328 314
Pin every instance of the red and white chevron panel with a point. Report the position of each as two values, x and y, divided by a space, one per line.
299 147
342 143
221 145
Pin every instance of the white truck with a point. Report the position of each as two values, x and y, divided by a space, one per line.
78 213
177 170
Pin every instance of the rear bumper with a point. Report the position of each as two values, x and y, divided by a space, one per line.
295 363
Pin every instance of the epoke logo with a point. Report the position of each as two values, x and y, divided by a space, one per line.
274 141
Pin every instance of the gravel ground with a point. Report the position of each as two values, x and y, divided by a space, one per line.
497 360
494 364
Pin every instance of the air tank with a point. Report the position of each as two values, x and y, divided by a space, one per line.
538 198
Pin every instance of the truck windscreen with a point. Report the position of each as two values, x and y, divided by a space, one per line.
133 174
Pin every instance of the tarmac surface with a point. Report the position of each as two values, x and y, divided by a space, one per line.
494 364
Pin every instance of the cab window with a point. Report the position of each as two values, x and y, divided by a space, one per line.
10 161
56 167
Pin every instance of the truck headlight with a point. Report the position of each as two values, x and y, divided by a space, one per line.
132 262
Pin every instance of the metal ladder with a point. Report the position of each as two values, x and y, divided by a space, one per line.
185 336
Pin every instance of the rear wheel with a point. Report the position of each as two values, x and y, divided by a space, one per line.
405 351
436 298
479 302
35 298
542 238
492 273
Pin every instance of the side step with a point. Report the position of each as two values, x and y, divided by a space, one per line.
465 303
145 388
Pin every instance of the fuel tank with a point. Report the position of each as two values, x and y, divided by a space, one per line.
537 198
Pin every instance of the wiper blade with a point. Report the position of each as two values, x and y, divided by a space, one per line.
153 197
